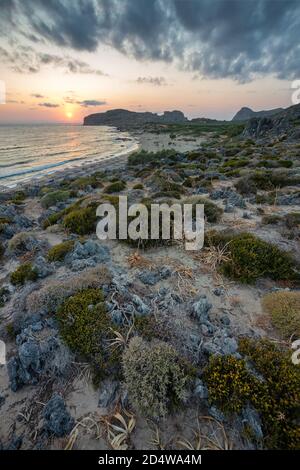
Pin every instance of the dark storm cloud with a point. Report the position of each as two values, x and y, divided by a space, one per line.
214 38
156 81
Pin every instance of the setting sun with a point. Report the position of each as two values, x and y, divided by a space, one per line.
69 115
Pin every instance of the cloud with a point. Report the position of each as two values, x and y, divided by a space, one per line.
25 59
87 103
212 38
49 105
37 95
156 81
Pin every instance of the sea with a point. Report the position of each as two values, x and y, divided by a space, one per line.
34 151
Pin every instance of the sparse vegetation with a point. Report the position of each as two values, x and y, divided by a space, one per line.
52 198
252 258
232 384
284 309
154 376
59 252
115 187
25 272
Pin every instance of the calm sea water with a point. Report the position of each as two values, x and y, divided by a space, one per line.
28 151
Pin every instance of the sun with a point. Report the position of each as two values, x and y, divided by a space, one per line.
69 115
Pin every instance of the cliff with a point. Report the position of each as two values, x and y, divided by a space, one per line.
246 113
124 118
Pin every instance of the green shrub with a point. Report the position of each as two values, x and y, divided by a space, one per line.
52 198
292 220
212 212
19 197
245 186
285 163
1 250
86 328
284 309
271 219
59 252
115 187
154 376
252 258
271 384
25 272
83 181
277 398
81 221
22 242
138 186
229 383
167 194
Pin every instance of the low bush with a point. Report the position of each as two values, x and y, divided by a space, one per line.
212 212
115 187
252 258
138 186
167 194
271 219
154 376
81 221
277 397
229 383
21 242
52 295
59 252
292 220
86 328
284 309
1 250
25 272
52 198
83 182
18 197
271 383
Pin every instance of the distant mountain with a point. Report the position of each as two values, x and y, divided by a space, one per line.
246 113
283 125
123 118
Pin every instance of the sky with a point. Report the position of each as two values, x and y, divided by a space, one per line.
63 59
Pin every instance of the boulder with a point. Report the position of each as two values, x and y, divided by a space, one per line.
57 419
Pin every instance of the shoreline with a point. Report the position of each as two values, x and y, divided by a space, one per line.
144 141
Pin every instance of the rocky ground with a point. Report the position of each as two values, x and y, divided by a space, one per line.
55 393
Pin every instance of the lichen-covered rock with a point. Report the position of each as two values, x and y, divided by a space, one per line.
108 393
57 420
201 308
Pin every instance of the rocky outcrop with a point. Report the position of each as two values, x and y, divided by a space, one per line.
123 118
244 114
285 124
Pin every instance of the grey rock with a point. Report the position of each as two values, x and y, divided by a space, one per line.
57 419
200 390
252 419
108 393
229 208
201 308
153 277
217 414
87 255
225 319
42 267
218 291
140 306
